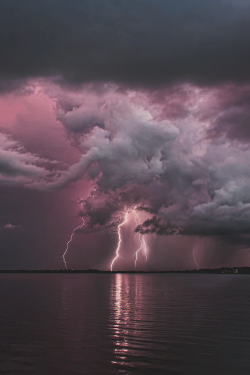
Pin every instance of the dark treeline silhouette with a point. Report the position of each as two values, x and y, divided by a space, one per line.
223 270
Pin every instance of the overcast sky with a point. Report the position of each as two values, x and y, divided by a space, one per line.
114 110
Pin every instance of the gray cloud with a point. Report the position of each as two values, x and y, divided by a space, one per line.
128 149
150 42
231 116
160 152
187 182
19 167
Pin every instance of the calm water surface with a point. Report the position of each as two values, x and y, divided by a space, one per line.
131 324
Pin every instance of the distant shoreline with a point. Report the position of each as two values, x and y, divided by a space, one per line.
223 270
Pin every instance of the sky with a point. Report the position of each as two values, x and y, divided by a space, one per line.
129 121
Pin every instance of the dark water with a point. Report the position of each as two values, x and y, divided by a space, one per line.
130 324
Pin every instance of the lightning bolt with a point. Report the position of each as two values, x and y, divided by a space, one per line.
74 230
195 260
119 241
145 249
141 239
137 221
71 238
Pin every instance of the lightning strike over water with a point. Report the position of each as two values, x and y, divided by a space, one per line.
195 260
119 242
137 221
145 249
80 226
141 239
71 238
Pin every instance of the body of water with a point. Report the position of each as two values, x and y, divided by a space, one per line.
124 324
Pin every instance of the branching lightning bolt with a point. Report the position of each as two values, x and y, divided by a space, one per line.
71 238
137 221
74 230
141 239
119 241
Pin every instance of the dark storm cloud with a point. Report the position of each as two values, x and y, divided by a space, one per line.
147 42
99 209
19 167
231 117
190 183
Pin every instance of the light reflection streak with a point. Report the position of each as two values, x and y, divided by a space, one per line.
125 317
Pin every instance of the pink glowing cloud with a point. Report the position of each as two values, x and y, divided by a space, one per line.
159 150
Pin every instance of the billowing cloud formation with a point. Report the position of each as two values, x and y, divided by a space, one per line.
150 42
231 115
19 167
126 147
141 151
166 152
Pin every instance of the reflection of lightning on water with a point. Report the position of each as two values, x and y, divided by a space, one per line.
119 241
71 238
195 260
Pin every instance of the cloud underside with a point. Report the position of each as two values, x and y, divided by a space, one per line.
139 43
